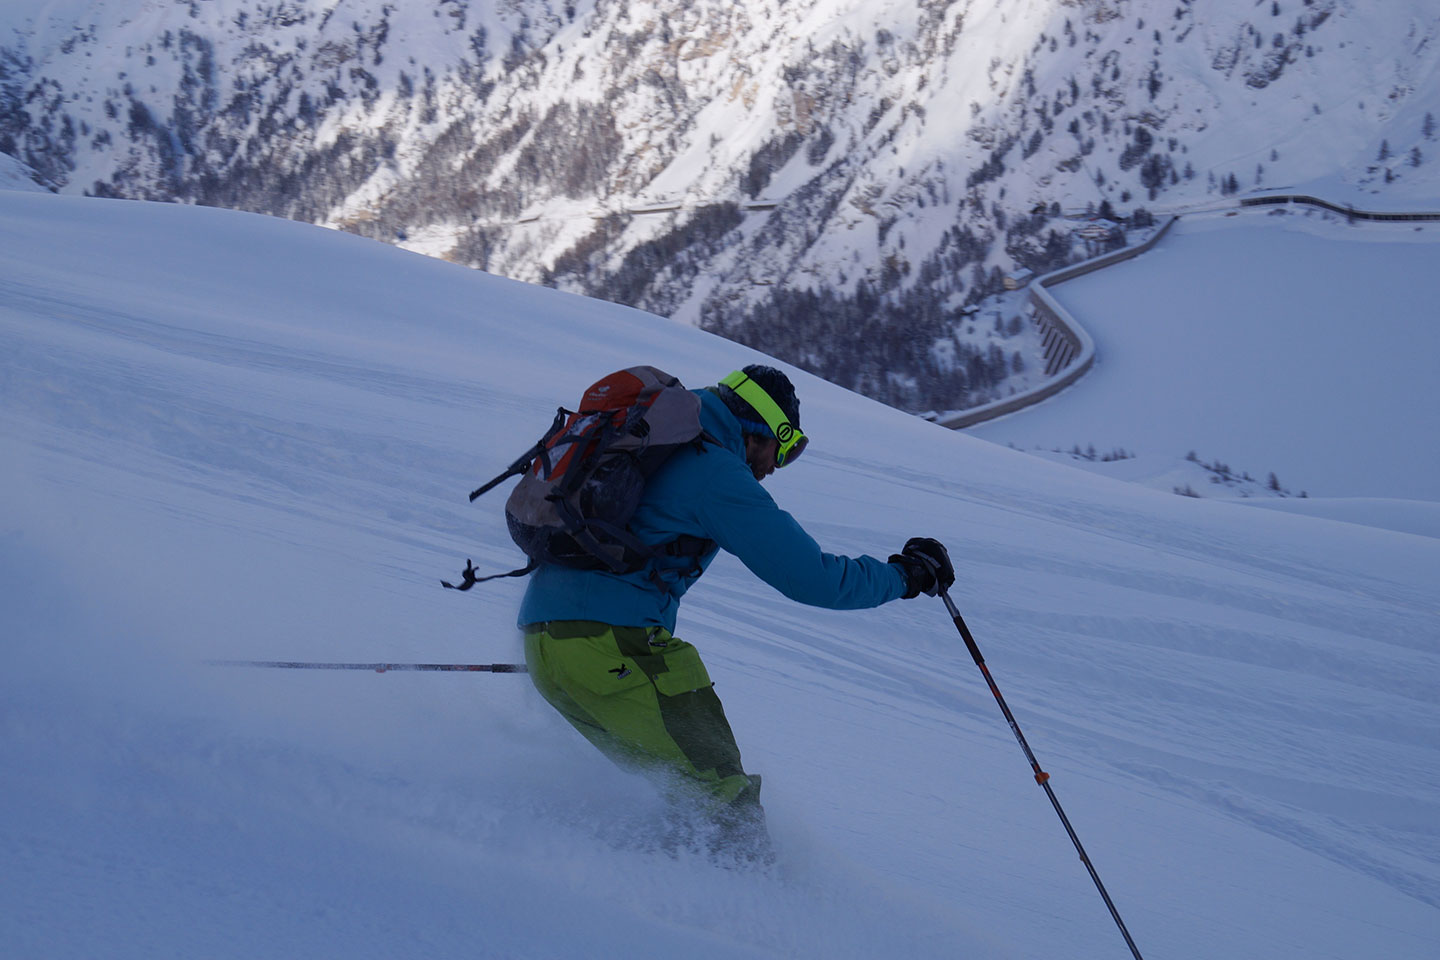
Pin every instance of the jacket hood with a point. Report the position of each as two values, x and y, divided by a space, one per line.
717 420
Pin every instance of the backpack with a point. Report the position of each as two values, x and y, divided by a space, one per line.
581 482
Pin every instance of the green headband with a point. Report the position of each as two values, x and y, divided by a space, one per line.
791 440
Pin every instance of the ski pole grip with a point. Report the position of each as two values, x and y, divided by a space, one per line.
970 643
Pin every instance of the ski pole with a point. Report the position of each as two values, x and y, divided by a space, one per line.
1041 777
376 667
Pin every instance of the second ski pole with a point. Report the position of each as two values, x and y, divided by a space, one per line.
376 667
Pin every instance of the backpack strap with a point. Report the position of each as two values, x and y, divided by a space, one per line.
688 546
684 545
595 447
469 579
584 535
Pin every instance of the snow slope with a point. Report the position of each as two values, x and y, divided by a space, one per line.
228 436
1288 342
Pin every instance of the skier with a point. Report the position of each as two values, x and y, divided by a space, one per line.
601 647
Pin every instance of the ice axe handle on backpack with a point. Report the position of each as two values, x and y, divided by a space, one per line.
526 458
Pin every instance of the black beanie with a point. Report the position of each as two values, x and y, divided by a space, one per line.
773 382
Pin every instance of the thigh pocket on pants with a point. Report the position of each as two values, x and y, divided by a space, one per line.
608 677
595 665
684 672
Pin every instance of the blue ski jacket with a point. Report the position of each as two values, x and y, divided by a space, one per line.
710 493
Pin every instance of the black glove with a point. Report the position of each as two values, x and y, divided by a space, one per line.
927 567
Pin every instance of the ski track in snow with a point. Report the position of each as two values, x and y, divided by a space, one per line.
1237 708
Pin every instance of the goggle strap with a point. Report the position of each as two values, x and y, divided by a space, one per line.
764 404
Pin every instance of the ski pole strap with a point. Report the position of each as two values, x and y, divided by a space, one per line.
375 667
468 578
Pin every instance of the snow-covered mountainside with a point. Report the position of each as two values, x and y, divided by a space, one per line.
224 435
833 180
14 175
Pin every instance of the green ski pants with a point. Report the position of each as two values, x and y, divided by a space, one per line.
644 698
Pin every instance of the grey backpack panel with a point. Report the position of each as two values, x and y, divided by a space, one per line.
576 497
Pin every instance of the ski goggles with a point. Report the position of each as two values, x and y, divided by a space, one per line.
791 441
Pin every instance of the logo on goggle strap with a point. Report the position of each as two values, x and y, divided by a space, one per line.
785 434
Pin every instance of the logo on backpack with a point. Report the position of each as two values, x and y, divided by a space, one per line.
581 482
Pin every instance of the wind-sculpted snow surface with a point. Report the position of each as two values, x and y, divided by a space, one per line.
230 437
